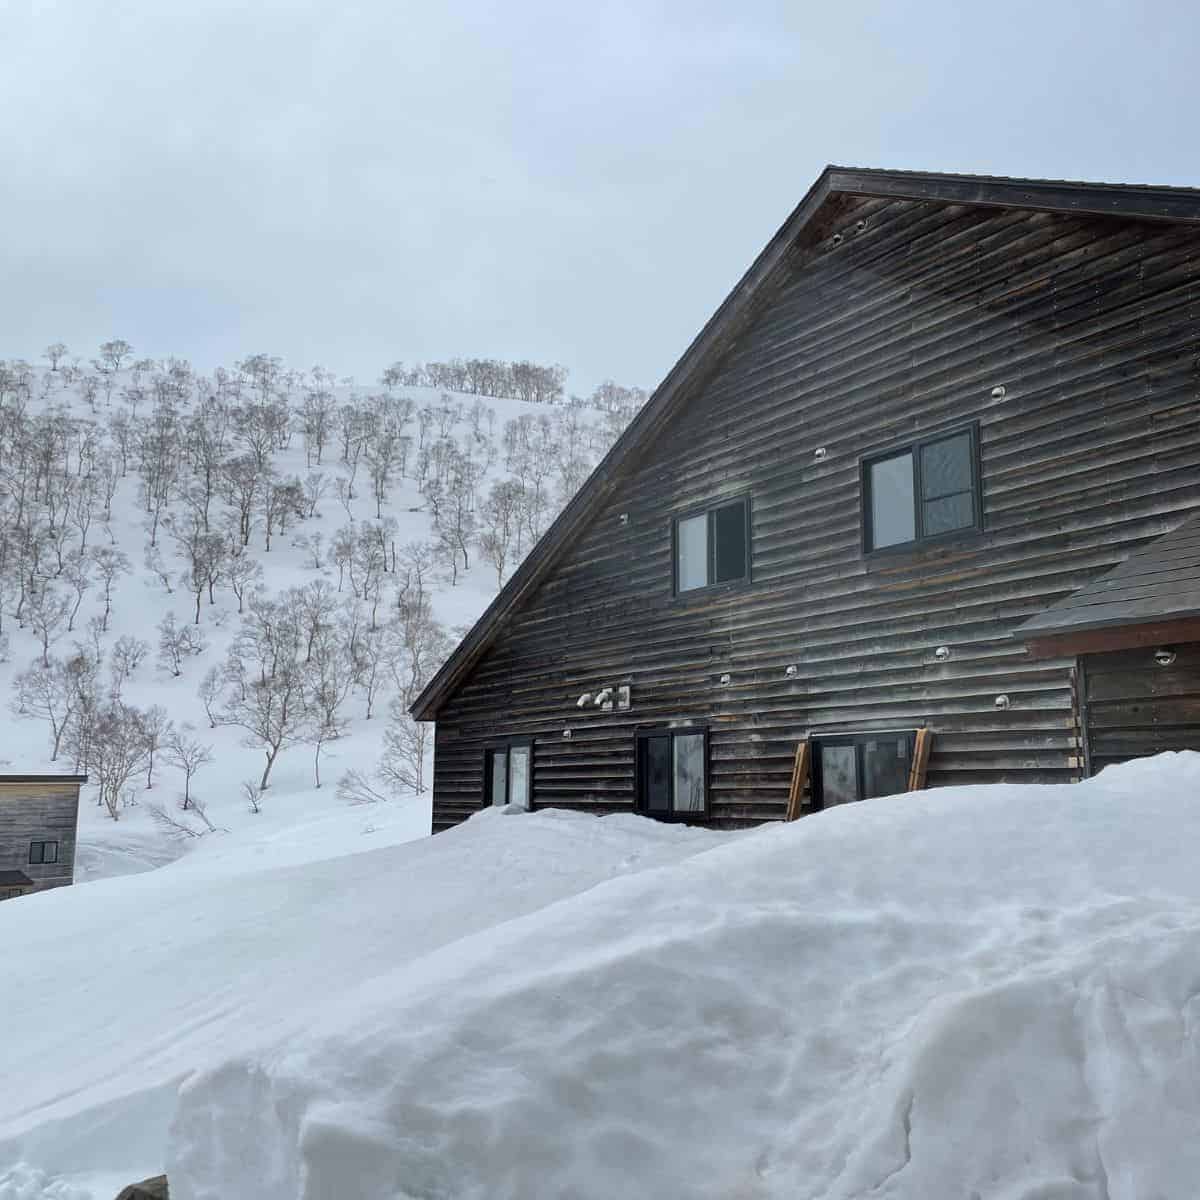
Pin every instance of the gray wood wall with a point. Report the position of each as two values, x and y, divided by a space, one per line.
1135 707
1090 325
39 812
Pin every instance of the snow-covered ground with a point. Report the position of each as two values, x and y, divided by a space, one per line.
982 993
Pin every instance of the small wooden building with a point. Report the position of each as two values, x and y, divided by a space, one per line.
38 818
1135 632
845 548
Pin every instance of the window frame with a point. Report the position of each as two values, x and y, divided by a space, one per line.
506 745
43 861
914 446
820 741
639 798
708 510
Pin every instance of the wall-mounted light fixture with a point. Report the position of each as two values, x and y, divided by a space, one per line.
942 653
583 700
836 239
566 735
624 518
860 226
1002 701
604 696
999 392
1164 656
820 454
726 679
792 671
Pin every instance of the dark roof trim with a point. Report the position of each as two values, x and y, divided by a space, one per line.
1142 201
43 779
1121 200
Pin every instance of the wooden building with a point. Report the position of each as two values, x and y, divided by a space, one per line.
935 408
38 816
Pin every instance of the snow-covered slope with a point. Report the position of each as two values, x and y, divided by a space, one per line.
137 842
984 992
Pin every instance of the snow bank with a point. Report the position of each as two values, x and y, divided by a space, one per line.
126 985
976 992
988 993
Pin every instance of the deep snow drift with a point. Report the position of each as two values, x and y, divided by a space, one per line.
970 992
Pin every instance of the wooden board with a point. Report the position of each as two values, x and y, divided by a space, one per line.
920 762
799 780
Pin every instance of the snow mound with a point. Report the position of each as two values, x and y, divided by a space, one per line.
973 992
27 1183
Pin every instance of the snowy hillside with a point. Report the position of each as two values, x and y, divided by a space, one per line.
370 525
981 992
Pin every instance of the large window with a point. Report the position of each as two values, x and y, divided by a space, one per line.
672 773
43 852
508 773
713 546
922 491
860 766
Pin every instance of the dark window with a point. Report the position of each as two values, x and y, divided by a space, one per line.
861 766
672 773
922 491
508 774
43 852
713 547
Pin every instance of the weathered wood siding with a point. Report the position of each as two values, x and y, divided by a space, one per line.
1134 707
1089 325
38 812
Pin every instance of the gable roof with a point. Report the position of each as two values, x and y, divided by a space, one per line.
1137 201
1159 582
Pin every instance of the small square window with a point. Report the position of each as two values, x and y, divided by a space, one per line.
922 491
713 547
41 853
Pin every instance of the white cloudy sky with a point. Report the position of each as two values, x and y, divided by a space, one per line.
357 181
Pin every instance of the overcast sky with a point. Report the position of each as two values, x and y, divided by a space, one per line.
350 183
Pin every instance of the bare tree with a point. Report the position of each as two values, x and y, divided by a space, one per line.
47 691
111 564
243 571
118 752
203 555
54 354
253 793
315 484
176 643
265 693
78 575
127 655
405 746
189 755
157 566
500 518
115 352
210 690
157 729
48 613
